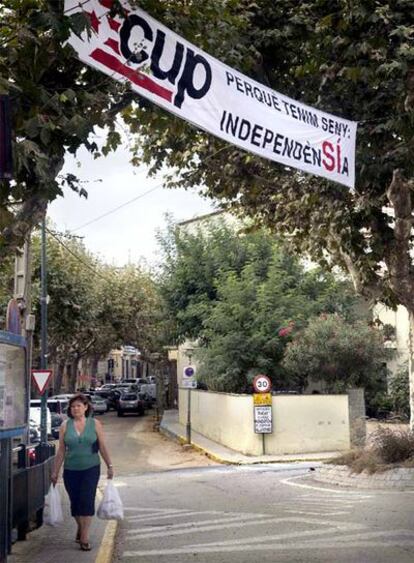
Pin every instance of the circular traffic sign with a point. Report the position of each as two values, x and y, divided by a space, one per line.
262 384
189 371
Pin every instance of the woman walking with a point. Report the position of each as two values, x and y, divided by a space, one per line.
81 437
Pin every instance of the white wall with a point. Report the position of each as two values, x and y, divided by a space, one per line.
398 319
301 423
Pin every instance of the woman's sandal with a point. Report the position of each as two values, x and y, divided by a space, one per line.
85 546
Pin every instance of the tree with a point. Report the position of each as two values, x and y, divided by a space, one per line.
235 292
93 307
56 104
192 261
354 59
339 353
57 101
6 287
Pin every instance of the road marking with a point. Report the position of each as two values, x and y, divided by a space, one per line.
272 547
200 527
341 512
170 515
155 510
168 527
338 528
289 480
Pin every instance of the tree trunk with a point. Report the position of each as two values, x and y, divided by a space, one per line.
94 366
59 376
411 367
73 374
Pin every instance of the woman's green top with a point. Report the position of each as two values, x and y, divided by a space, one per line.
81 449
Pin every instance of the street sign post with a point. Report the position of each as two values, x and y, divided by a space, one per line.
262 406
262 384
189 381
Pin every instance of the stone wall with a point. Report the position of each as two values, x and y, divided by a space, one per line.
357 420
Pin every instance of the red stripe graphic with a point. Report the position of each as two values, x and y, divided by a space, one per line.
114 45
134 76
113 24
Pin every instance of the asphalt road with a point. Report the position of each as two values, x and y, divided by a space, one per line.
251 514
136 448
223 514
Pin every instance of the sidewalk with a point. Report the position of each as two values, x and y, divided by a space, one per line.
57 544
171 427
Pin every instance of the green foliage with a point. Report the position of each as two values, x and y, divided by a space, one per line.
6 287
93 307
234 292
399 392
340 354
56 104
350 58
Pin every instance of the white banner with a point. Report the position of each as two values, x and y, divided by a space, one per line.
183 79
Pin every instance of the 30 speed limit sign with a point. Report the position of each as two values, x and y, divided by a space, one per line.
262 384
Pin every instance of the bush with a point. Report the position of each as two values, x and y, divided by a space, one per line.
388 447
393 446
400 392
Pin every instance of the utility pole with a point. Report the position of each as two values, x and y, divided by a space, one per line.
43 329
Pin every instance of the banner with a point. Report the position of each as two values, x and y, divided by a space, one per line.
174 74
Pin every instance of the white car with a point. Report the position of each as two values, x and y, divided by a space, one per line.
35 416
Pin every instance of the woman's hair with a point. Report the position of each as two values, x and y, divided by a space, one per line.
84 400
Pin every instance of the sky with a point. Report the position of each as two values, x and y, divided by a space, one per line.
127 235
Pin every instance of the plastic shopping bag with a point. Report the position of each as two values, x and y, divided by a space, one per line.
110 507
52 511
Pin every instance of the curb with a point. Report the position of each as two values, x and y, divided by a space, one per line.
397 479
107 547
214 457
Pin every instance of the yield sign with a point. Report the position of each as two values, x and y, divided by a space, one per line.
41 377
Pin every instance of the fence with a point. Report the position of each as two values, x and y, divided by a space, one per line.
22 491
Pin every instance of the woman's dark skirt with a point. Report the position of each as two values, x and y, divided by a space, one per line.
81 487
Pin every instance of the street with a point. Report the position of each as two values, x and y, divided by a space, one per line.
223 514
136 448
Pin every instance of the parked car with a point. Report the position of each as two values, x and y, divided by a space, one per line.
99 404
113 399
34 432
35 415
57 420
131 403
58 406
106 387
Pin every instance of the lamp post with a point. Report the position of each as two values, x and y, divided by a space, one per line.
43 330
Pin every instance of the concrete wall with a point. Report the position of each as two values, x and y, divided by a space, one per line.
301 423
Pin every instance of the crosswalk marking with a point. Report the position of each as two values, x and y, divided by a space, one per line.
168 527
169 515
200 527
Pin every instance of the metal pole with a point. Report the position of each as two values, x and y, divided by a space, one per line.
5 505
188 426
43 330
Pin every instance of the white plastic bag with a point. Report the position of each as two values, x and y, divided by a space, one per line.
52 511
110 507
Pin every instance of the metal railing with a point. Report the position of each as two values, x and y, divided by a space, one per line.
27 485
31 482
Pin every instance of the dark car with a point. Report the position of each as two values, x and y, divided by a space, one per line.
57 420
131 403
113 399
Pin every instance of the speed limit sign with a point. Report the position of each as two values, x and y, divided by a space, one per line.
262 384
